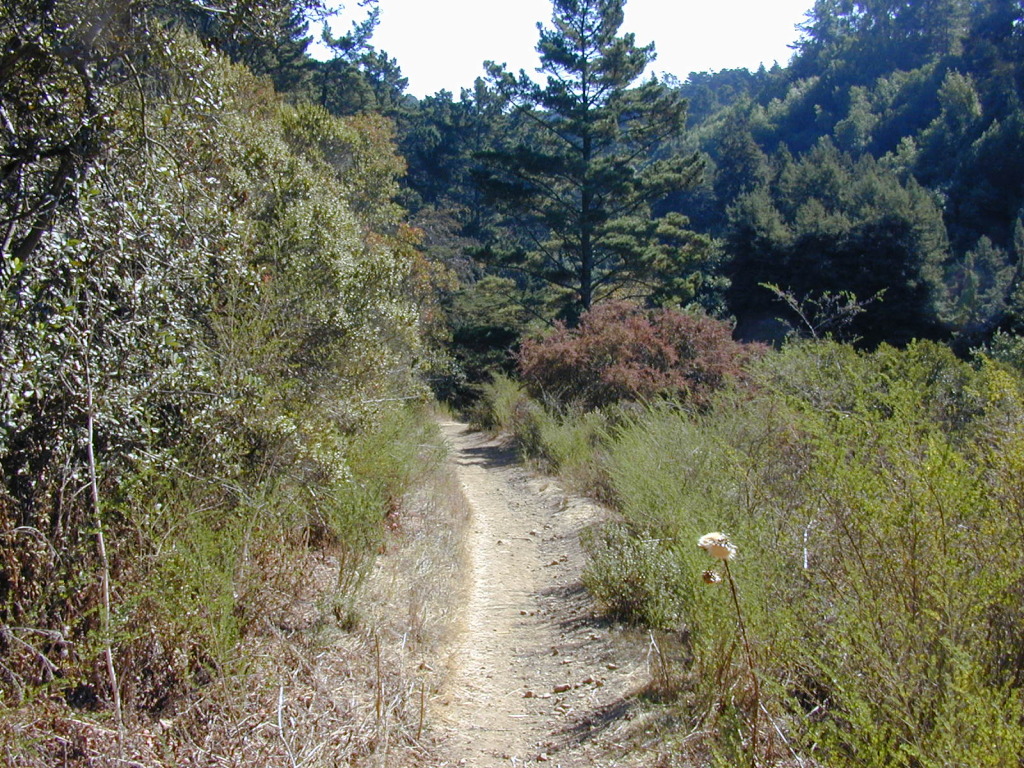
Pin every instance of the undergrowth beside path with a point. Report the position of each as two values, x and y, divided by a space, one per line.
335 670
876 502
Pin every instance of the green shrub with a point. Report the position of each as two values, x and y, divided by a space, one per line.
218 326
571 444
636 580
496 407
875 499
1007 348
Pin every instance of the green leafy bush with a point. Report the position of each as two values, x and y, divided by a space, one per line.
570 442
563 439
206 365
500 398
636 580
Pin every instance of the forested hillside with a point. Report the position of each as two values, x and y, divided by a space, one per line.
881 167
233 273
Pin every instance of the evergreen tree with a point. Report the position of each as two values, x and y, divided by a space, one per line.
829 223
740 164
283 57
586 164
977 292
359 78
863 38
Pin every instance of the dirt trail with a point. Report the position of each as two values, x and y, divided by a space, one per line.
534 677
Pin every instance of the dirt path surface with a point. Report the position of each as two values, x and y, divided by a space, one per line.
534 676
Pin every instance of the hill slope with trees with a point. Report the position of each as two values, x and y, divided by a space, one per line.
882 164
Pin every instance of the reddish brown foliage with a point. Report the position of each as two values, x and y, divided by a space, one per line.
623 352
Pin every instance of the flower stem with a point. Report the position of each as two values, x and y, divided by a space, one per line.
750 664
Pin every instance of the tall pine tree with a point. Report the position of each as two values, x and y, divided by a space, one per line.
587 162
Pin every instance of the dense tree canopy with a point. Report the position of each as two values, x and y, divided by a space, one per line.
919 96
827 223
910 113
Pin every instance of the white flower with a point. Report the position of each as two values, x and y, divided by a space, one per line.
712 577
717 545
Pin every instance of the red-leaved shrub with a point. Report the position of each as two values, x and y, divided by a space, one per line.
623 352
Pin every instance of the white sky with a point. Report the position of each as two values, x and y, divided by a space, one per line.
443 43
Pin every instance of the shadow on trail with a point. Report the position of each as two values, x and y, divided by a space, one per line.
598 722
594 724
492 455
578 614
575 600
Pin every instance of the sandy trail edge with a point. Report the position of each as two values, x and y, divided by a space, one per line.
534 675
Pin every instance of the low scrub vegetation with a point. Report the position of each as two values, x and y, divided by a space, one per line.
871 614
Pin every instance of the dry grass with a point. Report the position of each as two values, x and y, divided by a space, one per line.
334 680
